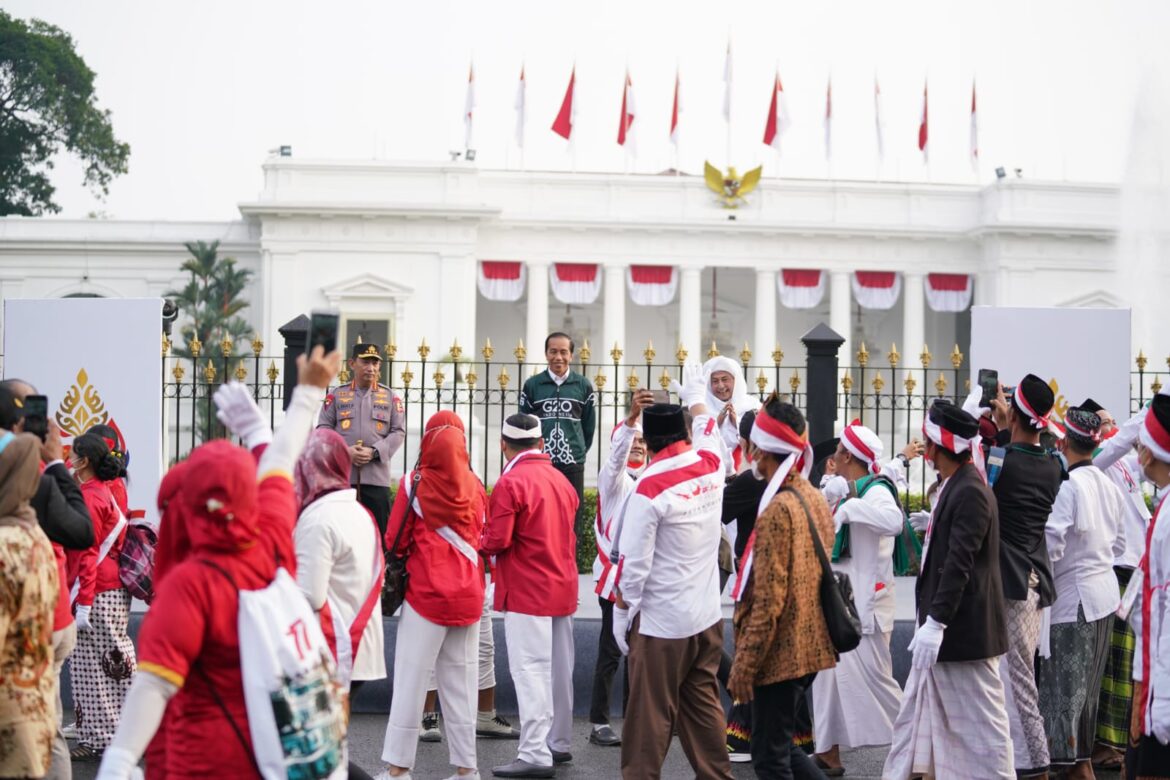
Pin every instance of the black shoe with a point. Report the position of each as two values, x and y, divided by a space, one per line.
521 768
604 736
739 745
561 758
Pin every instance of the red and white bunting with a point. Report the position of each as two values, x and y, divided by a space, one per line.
948 292
877 290
575 283
652 285
502 280
801 288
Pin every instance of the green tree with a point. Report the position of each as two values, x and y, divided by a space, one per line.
48 106
211 300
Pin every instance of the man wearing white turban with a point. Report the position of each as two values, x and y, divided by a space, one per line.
728 397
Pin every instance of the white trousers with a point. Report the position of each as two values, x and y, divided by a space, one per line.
449 653
487 650
540 658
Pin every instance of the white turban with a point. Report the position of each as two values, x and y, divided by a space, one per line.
741 399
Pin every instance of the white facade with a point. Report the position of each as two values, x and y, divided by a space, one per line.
401 242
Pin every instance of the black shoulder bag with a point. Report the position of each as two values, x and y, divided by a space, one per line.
836 594
394 584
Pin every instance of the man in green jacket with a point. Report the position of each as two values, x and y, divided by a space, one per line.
565 403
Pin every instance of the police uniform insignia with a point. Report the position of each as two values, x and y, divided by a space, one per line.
328 400
345 424
398 404
379 426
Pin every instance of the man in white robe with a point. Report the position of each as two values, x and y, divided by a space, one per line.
855 703
728 398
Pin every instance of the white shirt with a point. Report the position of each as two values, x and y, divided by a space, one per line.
1158 572
1127 475
667 544
337 543
875 520
559 380
1084 534
615 482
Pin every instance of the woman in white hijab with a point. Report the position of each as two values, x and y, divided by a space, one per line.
728 397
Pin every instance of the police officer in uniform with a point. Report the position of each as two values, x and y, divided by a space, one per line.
371 420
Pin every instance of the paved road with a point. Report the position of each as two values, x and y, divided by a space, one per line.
589 761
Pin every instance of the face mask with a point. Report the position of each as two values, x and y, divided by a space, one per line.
756 471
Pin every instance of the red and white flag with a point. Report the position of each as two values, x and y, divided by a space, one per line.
674 112
469 107
778 121
974 132
563 124
521 89
829 120
626 122
924 126
727 85
877 118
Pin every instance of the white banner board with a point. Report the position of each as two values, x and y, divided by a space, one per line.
1081 353
98 360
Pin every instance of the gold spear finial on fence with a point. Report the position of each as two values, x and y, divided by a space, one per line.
241 372
893 356
664 380
863 356
762 381
925 357
423 349
391 350
1141 360
878 384
407 376
196 346
166 345
343 375
520 353
940 384
777 355
226 346
713 352
956 358
439 377
471 378
616 353
910 384
488 351
273 373
794 381
257 345
745 354
503 379
1156 387
681 353
456 350
177 372
847 382
600 379
585 352
209 372
632 380
649 353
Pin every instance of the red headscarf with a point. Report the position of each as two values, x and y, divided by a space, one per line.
449 493
173 540
219 498
323 467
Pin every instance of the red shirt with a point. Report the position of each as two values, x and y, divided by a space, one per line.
83 565
444 586
190 631
530 531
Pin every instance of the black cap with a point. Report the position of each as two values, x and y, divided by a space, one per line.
745 425
824 449
952 418
1037 393
1160 408
362 351
1083 419
1089 405
663 420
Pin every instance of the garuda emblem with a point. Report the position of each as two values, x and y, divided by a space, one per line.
731 188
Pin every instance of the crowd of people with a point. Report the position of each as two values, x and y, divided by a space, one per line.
1042 633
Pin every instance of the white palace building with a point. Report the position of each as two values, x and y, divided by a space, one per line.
447 252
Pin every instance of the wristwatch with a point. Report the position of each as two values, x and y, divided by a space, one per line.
905 461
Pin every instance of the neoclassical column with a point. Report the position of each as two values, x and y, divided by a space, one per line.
840 297
913 316
459 290
537 321
614 324
765 340
690 310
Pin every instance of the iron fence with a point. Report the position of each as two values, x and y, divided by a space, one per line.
888 393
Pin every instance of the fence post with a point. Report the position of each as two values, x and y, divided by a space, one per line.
295 335
822 344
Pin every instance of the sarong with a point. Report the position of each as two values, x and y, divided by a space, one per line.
953 723
1017 667
856 702
101 668
1066 683
1147 758
1114 703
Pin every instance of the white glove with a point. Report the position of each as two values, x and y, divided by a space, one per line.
239 413
836 488
1160 718
119 764
926 643
81 617
919 521
621 627
693 388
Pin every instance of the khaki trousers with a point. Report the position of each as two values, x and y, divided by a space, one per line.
673 687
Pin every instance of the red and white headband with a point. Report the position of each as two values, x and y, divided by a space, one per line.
853 438
1039 421
771 435
1076 430
1155 437
952 443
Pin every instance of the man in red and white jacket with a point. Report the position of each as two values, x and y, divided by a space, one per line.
530 532
668 616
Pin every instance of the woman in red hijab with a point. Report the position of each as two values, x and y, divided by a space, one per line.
439 628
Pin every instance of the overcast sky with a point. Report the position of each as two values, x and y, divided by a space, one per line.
202 90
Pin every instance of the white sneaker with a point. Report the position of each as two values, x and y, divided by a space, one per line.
430 728
70 731
473 776
385 775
